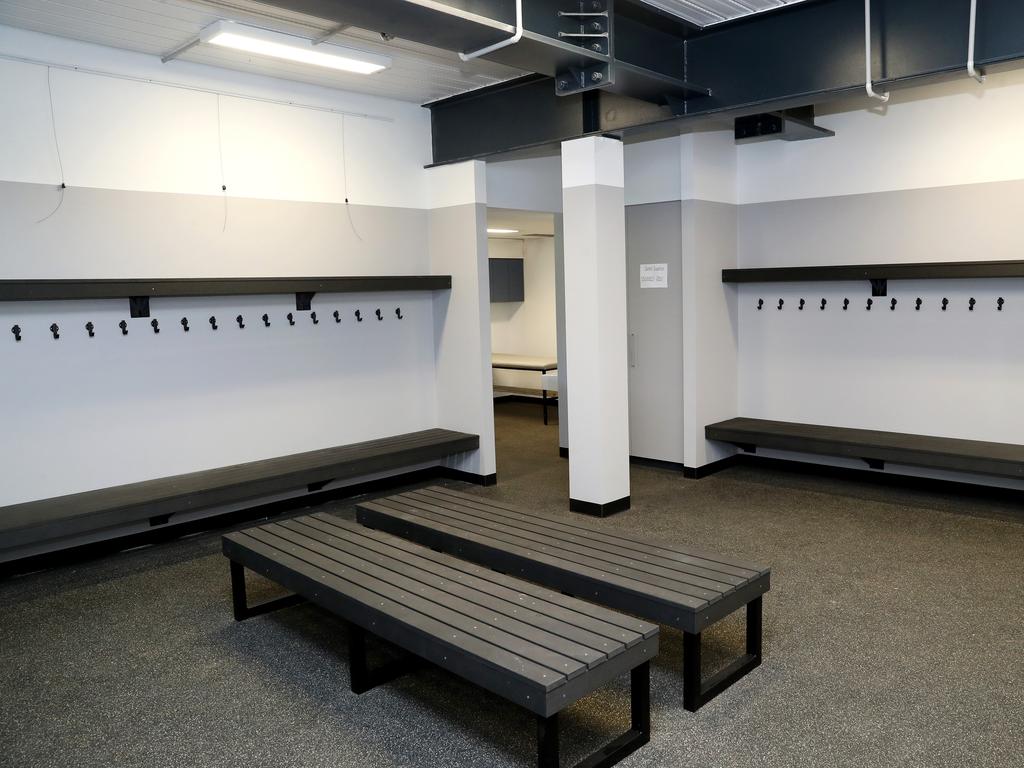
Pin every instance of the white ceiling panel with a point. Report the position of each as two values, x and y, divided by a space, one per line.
705 13
418 74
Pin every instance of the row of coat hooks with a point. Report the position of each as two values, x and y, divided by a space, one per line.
918 303
90 327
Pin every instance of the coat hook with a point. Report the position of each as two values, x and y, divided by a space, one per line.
156 325
892 304
54 329
213 322
241 321
359 316
184 324
801 307
999 304
846 304
917 304
266 320
291 319
870 302
337 316
123 325
823 302
398 313
781 302
90 329
971 303
16 330
760 304
312 316
945 303
379 315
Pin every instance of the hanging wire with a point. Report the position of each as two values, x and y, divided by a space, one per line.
344 181
56 144
220 154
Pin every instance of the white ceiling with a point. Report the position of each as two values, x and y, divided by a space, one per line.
528 223
418 73
705 13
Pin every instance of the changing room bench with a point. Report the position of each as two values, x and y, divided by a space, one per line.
679 587
539 649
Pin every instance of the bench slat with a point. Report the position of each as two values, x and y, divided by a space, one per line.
459 616
496 597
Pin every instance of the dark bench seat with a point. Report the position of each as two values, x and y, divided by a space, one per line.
872 446
536 648
156 500
677 586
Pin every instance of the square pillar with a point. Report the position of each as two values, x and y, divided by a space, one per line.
594 243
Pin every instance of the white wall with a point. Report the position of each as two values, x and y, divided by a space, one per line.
526 327
533 184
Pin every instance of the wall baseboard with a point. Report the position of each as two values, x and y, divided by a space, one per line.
696 473
599 510
640 461
468 477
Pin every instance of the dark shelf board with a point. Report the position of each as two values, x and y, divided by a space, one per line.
56 290
940 270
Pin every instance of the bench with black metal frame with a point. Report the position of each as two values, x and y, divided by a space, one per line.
539 649
676 586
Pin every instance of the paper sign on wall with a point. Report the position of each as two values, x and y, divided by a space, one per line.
654 275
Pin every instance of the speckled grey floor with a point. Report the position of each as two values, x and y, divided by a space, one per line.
893 637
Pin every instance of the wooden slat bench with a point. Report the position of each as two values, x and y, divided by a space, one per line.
539 649
873 447
157 500
680 587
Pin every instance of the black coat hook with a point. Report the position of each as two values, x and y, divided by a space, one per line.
999 303
970 304
90 329
312 316
241 321
156 325
123 325
846 304
379 315
801 307
917 304
184 324
337 316
823 302
291 319
213 322
945 303
870 302
55 330
892 304
781 302
359 316
266 320
398 313
760 304
16 330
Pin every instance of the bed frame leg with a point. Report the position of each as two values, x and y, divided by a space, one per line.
698 692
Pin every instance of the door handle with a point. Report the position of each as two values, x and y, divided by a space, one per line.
632 350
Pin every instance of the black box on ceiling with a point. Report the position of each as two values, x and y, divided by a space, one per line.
506 279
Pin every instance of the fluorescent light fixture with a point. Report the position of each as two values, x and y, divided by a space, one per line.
493 231
264 42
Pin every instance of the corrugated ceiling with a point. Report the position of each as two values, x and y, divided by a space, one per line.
418 74
705 13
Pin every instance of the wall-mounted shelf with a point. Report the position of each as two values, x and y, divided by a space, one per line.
878 274
139 291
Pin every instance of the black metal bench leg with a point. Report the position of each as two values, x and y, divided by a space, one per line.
638 734
544 397
698 692
361 677
240 603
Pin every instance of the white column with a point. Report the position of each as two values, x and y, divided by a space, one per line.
593 210
457 226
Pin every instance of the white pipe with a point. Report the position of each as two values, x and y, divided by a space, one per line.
501 43
971 70
867 56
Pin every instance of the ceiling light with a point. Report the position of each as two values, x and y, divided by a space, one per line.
281 46
492 231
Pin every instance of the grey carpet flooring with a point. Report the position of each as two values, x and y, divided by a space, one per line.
893 637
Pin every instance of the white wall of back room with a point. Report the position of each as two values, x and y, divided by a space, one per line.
144 163
938 175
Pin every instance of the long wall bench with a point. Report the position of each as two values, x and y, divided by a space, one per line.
873 447
156 501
